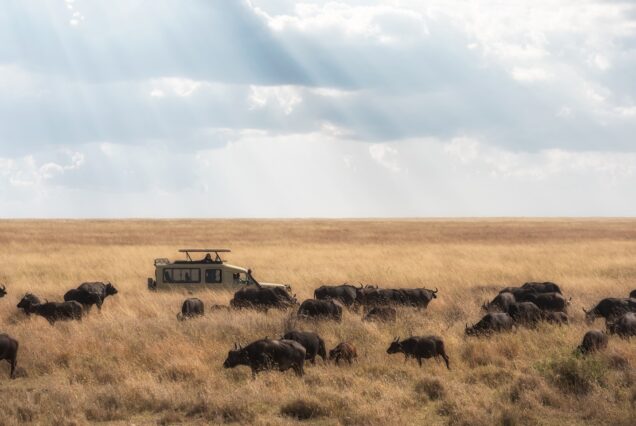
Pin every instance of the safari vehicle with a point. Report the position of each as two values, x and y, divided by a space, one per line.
208 272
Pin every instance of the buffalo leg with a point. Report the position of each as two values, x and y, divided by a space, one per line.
446 360
14 362
419 361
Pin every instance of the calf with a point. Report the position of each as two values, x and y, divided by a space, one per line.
267 354
556 317
3 291
345 351
327 309
381 313
191 308
312 342
594 340
420 347
9 351
491 323
624 326
526 313
52 311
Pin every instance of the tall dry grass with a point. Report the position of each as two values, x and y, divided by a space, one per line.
134 363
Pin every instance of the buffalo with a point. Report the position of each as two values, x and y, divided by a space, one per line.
416 297
101 290
28 300
624 326
490 323
594 340
52 311
500 303
545 301
312 342
556 317
610 308
324 309
191 308
419 347
85 298
3 291
345 294
546 287
345 351
526 313
381 313
9 351
263 298
267 354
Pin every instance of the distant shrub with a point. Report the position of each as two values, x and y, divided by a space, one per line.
432 388
575 375
302 409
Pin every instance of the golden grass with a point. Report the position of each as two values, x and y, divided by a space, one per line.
134 362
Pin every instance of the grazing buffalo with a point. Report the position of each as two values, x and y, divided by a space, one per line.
191 308
556 317
267 354
381 313
102 290
9 351
28 300
545 301
345 294
593 341
52 311
262 298
500 303
419 347
632 294
345 351
490 323
546 287
624 326
610 308
526 313
83 297
417 297
312 342
326 309
3 291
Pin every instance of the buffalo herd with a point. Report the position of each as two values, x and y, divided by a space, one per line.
524 306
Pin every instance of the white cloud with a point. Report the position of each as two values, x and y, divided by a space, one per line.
285 97
386 156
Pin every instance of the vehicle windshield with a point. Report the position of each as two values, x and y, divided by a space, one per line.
240 278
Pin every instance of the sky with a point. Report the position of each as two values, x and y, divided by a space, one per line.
278 108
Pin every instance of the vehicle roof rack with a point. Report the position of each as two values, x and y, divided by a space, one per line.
217 258
222 250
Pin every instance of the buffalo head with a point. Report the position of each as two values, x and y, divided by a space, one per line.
110 289
236 356
395 346
590 315
3 291
434 292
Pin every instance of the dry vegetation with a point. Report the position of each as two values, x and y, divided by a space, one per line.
135 363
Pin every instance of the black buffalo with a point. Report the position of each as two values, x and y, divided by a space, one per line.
545 301
632 294
624 326
101 290
546 287
416 297
267 354
312 342
3 290
345 351
52 311
500 303
321 309
610 308
28 300
594 340
492 322
191 308
526 313
85 298
345 294
262 298
419 347
9 351
381 313
556 317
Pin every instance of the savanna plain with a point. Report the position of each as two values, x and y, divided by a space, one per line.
133 362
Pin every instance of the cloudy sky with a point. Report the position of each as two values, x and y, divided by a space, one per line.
277 108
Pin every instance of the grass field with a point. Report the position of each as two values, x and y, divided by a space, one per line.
135 363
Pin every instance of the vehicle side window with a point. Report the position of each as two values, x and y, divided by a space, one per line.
213 276
182 275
